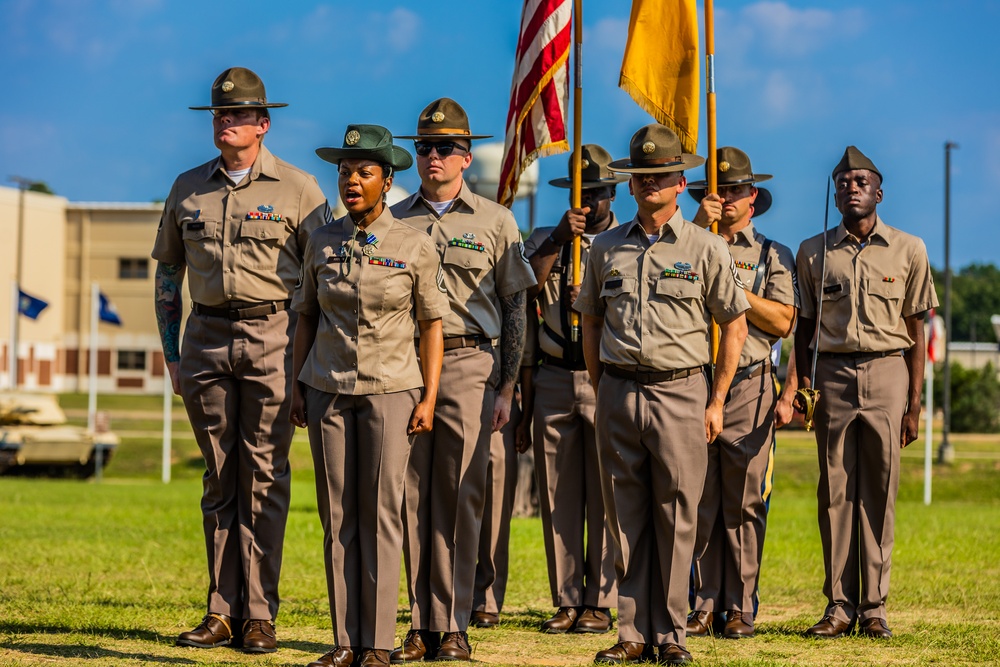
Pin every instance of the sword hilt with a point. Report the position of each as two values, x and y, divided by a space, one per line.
805 402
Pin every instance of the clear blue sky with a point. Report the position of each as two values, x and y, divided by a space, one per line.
97 94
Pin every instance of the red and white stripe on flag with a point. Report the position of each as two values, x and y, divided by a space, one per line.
935 337
536 119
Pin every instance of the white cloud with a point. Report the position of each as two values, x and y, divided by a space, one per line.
785 31
400 29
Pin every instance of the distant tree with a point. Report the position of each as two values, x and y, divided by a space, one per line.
975 295
40 186
975 399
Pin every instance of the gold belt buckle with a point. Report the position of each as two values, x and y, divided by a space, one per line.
805 402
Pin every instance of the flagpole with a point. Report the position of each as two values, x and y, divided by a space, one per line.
711 174
15 313
929 427
577 141
92 401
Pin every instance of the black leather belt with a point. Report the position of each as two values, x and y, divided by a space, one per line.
562 363
650 377
242 311
458 342
753 370
860 356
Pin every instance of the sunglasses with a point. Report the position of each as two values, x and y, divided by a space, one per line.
443 148
239 114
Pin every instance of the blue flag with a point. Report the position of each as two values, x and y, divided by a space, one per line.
30 306
108 312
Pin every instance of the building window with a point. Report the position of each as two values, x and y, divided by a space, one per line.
131 360
133 268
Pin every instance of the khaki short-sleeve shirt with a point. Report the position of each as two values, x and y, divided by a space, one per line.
240 241
481 254
777 283
366 303
658 299
550 296
868 289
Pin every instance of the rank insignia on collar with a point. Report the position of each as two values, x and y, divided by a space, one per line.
468 236
614 272
682 266
265 208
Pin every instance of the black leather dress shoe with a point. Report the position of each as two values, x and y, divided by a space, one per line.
593 620
624 653
418 645
454 646
828 628
213 631
672 654
738 625
484 619
876 628
562 621
699 624
338 656
259 637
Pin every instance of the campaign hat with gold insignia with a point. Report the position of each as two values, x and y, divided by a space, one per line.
369 142
655 149
237 88
443 119
855 159
733 168
594 172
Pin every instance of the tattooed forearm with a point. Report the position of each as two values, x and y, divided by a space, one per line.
512 337
169 278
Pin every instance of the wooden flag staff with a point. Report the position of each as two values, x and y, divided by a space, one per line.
575 196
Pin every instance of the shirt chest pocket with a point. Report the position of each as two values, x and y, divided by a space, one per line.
200 245
464 259
883 302
616 287
679 304
260 243
392 284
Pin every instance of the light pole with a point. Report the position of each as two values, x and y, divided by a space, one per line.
946 452
15 327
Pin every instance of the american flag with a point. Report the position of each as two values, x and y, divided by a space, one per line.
536 119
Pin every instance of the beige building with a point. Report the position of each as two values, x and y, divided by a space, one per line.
66 247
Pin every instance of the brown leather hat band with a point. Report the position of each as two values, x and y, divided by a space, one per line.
657 162
442 130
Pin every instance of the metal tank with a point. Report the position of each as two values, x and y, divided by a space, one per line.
35 439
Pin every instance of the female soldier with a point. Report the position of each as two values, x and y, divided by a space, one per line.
365 278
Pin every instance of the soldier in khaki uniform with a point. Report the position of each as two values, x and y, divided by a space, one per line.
366 277
869 372
578 547
237 225
732 515
485 276
651 289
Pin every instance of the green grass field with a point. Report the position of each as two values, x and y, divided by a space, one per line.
108 574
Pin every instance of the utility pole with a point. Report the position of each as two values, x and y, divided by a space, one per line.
946 452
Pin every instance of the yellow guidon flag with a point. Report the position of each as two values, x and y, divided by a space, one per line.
660 69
